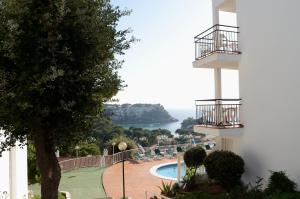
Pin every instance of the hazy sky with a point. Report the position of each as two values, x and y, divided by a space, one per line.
158 69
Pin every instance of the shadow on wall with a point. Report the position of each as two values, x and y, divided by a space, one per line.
253 168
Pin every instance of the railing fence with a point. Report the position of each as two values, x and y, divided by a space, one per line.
219 113
108 160
218 38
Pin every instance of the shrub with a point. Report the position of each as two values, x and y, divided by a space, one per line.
130 144
87 149
188 180
84 150
225 167
194 157
279 182
166 189
176 188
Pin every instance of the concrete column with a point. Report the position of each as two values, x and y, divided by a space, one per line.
178 167
215 13
12 174
218 83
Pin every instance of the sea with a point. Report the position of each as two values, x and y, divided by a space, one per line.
179 114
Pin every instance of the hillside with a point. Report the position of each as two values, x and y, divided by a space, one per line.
138 113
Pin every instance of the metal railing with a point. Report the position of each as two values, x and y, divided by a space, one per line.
218 38
218 113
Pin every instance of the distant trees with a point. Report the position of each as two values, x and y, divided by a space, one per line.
188 123
130 144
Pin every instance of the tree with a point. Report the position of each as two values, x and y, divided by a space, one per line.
57 68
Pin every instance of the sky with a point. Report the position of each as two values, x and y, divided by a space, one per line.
158 68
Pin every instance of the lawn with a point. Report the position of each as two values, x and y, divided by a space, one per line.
85 183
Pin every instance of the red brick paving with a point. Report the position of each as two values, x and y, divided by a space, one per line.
138 179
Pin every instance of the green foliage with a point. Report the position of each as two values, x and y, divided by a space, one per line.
176 188
243 195
225 167
104 130
189 180
166 189
279 182
34 175
194 157
57 67
201 195
84 150
283 196
246 193
130 144
88 149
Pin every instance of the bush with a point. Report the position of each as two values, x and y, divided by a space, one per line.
130 144
166 189
279 182
176 188
189 180
225 167
87 149
194 157
84 150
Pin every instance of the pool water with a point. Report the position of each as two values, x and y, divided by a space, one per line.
170 170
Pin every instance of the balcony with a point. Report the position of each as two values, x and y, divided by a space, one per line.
218 117
217 47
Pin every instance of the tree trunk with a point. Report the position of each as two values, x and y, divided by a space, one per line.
48 166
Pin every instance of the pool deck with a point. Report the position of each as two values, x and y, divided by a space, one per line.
138 179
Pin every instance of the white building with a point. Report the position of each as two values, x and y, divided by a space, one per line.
13 174
264 47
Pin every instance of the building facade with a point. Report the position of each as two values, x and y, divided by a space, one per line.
261 126
13 172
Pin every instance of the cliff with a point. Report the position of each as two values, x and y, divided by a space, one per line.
138 113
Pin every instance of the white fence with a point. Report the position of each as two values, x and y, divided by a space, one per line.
108 160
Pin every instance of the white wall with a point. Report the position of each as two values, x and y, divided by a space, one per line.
21 182
4 173
13 173
270 86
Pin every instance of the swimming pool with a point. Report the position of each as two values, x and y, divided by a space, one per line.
167 171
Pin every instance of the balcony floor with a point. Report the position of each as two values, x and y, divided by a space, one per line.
218 60
236 130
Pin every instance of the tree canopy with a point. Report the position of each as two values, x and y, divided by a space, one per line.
57 67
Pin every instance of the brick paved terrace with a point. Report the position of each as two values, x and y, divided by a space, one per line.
138 179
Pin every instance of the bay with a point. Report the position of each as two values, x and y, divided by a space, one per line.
179 114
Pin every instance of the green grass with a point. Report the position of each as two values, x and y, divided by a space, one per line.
85 183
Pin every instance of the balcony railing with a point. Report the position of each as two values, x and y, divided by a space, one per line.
219 38
219 113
